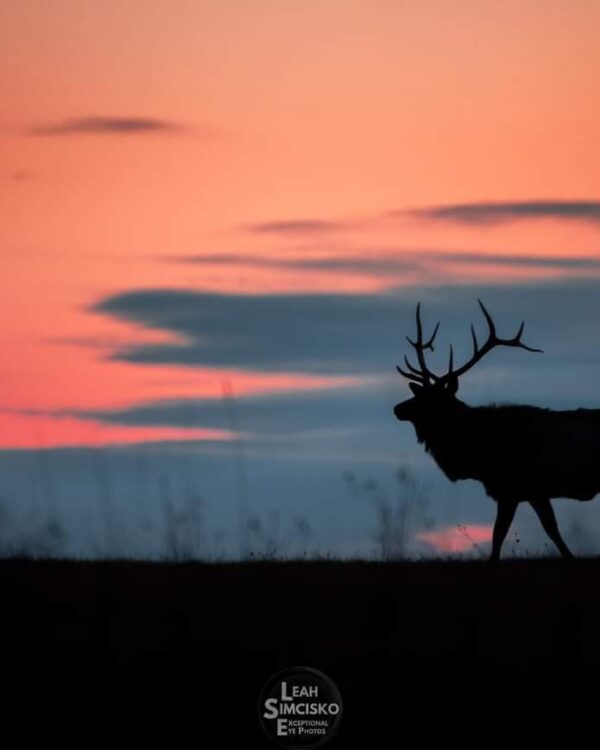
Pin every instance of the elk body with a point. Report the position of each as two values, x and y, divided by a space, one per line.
519 453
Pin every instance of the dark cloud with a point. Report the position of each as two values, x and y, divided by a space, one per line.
105 126
520 261
498 212
308 333
355 334
386 262
370 264
264 415
509 261
485 212
299 226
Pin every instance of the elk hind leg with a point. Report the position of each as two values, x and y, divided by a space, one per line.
545 513
504 516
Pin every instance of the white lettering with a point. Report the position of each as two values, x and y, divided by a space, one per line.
284 692
271 709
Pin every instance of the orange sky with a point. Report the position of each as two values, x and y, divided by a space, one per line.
322 109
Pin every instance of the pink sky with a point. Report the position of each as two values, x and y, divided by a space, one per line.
458 538
321 110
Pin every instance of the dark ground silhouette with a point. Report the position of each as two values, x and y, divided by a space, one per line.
425 648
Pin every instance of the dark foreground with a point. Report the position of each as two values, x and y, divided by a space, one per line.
461 649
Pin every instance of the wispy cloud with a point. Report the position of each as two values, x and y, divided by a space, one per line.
476 213
499 212
385 262
372 264
296 226
261 415
102 125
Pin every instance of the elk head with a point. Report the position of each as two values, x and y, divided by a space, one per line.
434 396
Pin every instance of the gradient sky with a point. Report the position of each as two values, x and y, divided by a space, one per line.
183 182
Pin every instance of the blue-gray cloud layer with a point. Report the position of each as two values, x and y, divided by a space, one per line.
497 212
105 126
350 334
308 333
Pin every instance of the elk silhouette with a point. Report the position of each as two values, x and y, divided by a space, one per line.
519 453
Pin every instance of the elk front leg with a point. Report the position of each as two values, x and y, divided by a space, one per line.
545 513
504 516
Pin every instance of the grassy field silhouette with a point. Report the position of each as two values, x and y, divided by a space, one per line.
199 640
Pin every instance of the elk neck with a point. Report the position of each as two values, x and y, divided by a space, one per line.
440 432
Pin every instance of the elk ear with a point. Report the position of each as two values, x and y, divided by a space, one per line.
416 388
452 385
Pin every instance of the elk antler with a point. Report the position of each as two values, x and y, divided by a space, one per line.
492 341
423 376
